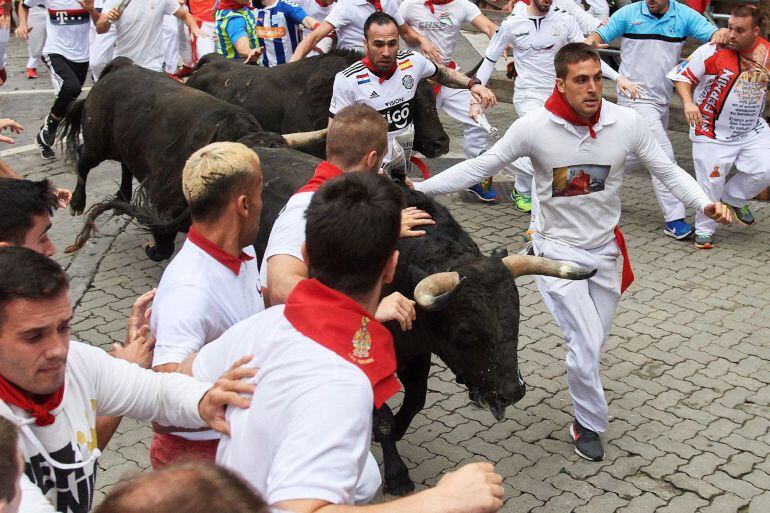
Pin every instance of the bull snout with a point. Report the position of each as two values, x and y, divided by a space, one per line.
433 148
514 390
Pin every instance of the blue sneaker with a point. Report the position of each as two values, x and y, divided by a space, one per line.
678 229
484 191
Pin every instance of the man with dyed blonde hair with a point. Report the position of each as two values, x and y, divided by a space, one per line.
213 282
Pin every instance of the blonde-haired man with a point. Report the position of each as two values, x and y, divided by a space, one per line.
213 282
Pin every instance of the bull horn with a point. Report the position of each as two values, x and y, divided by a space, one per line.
298 139
435 291
521 265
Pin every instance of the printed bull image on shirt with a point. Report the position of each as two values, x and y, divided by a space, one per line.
579 180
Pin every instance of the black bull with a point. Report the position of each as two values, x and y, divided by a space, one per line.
469 302
295 97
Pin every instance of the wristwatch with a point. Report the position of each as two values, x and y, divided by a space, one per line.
472 82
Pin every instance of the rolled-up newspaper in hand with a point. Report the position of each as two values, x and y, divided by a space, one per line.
122 7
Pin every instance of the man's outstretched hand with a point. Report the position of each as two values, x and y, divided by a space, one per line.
719 212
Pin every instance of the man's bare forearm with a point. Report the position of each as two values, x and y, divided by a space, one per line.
6 171
684 90
450 77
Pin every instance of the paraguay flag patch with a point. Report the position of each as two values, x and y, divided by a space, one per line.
363 78
406 64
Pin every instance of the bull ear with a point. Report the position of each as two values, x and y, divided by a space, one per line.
500 252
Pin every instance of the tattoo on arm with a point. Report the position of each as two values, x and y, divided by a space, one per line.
450 77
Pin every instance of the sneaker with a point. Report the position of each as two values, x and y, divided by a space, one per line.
528 235
521 202
703 241
31 73
45 141
678 229
484 191
587 443
742 214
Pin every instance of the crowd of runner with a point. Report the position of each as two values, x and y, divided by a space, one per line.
260 376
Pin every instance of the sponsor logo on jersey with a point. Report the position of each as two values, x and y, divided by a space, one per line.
405 64
374 95
408 81
363 78
398 116
443 22
270 32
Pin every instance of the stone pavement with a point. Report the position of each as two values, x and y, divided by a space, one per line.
686 370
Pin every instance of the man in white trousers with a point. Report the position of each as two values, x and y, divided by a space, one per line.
723 91
439 21
578 145
36 22
102 45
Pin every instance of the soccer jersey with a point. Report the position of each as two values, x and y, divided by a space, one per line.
535 41
348 18
316 10
650 46
277 30
441 26
67 28
730 90
60 458
587 22
391 95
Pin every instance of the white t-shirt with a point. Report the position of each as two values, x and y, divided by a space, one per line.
348 18
392 98
587 22
198 299
67 28
140 31
288 232
730 91
441 27
307 432
61 458
577 178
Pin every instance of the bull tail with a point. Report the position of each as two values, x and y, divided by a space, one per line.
70 128
472 72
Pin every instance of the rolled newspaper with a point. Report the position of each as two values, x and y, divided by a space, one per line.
122 7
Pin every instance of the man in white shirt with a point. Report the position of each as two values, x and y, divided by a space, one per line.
387 79
440 22
213 282
535 33
347 17
578 145
53 388
324 361
140 28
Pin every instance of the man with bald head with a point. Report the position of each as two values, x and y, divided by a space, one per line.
213 282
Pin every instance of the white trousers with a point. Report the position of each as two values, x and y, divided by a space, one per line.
457 103
205 45
656 116
714 160
170 43
36 20
102 50
584 310
524 101
5 35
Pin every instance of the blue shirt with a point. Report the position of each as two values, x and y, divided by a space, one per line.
277 31
650 46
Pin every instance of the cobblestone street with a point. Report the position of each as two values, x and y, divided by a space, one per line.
686 370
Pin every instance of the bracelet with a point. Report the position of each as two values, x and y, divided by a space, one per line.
472 82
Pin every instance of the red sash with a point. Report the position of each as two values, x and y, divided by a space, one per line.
377 5
338 323
627 275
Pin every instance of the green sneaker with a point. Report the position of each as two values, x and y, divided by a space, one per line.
521 202
742 214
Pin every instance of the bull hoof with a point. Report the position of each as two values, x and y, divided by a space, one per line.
75 211
399 485
154 254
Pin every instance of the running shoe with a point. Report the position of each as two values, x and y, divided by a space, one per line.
742 214
521 202
704 241
31 73
678 229
484 191
45 140
528 235
587 443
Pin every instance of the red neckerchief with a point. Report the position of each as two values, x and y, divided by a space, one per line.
431 3
217 253
323 173
559 106
40 410
450 65
383 76
377 5
338 323
627 274
322 3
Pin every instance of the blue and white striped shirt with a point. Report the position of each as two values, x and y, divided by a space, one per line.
277 29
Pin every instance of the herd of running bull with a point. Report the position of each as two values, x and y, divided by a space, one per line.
132 116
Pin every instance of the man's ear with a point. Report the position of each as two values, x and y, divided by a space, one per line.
390 268
304 256
560 85
242 204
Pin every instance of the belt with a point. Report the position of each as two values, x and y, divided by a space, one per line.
69 16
